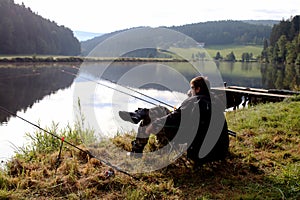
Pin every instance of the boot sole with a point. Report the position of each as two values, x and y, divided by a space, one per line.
129 117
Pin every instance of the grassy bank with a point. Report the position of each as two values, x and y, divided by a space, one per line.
264 163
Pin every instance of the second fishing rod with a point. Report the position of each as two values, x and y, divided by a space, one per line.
54 135
121 91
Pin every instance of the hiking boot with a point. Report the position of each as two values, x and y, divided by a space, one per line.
134 117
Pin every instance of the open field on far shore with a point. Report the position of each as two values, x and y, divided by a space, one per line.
238 50
176 53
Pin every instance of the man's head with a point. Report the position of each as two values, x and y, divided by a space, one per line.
200 85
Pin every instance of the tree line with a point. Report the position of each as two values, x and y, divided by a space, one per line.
246 57
282 50
284 43
226 32
24 32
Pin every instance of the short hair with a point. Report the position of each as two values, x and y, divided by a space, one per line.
201 82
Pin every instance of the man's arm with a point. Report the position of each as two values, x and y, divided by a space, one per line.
173 119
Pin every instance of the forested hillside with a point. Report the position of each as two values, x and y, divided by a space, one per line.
24 32
210 33
270 23
226 32
284 43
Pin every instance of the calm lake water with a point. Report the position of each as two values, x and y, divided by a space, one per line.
49 93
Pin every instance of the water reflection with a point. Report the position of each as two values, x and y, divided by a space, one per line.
281 76
101 99
44 93
22 86
241 74
118 70
34 93
259 75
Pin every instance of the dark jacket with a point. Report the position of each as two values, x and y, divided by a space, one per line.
191 124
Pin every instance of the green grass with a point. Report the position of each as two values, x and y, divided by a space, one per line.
175 53
264 163
238 50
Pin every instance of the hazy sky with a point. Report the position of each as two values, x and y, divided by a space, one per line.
110 15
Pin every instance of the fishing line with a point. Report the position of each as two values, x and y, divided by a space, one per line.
166 104
131 89
69 143
102 84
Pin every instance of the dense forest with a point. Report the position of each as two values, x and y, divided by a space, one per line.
24 32
226 32
284 43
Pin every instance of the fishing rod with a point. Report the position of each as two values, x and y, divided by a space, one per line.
131 89
145 95
232 133
102 84
69 143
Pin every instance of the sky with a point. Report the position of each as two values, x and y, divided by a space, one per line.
104 16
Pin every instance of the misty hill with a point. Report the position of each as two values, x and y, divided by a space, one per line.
24 32
210 33
89 45
83 36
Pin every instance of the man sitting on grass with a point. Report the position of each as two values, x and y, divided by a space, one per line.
189 124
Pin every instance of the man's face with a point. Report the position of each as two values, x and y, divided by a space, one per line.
194 90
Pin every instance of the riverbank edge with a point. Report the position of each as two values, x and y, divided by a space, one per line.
79 59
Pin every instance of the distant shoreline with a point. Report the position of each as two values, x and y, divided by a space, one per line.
78 59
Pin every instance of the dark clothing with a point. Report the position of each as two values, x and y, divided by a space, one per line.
189 124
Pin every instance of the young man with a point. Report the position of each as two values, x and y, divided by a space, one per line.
189 124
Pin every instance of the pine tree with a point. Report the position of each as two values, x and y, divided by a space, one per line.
218 56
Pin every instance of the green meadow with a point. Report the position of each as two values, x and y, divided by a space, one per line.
174 53
238 50
224 50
